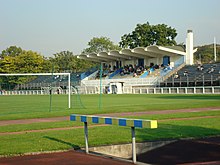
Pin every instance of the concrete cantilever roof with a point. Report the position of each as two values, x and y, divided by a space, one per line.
119 55
139 52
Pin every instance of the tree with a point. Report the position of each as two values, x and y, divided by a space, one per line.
11 51
146 34
29 62
17 61
67 61
62 61
205 53
7 64
102 44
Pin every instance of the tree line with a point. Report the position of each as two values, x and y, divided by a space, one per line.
16 60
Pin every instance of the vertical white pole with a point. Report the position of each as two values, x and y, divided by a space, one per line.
69 94
86 136
214 49
133 144
189 48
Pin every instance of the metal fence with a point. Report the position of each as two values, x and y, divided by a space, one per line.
128 81
177 90
126 90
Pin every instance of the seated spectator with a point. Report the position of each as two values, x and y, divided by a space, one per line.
165 69
135 74
138 71
201 68
170 67
126 71
185 73
176 75
156 66
122 72
211 70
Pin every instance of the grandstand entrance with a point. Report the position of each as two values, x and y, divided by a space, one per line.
118 64
141 62
115 88
166 60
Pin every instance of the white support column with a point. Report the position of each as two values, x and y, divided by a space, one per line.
189 48
133 145
213 90
86 137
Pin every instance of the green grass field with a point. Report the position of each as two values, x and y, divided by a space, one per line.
21 107
24 107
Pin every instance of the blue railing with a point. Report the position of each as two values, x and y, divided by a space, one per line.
177 63
87 73
115 73
146 73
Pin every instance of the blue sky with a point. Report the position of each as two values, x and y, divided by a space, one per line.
51 26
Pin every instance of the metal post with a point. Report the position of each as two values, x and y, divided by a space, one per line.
187 81
69 94
214 49
203 80
50 92
100 88
86 136
173 81
133 144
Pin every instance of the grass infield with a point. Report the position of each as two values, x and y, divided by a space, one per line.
23 107
66 139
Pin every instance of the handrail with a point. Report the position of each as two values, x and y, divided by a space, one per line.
115 73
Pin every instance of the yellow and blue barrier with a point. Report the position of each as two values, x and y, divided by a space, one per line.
138 123
133 123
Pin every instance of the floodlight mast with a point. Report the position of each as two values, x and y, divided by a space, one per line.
45 74
214 49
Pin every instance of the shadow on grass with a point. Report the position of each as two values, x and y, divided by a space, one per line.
76 147
198 149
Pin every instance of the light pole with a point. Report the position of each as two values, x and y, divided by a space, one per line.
100 88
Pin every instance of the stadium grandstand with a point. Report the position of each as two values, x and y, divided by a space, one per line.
138 70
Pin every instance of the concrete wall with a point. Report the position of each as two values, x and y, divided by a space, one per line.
125 150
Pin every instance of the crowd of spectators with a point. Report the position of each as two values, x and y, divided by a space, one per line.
133 70
137 70
200 68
